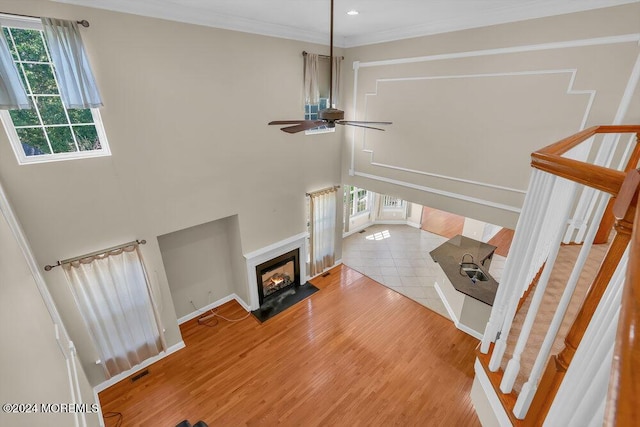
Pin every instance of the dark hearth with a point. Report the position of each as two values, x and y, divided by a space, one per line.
283 300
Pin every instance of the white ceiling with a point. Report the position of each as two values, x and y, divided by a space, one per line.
378 21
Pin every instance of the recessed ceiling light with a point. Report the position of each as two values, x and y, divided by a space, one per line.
353 12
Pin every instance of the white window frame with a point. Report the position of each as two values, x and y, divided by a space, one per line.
353 192
400 205
35 24
322 129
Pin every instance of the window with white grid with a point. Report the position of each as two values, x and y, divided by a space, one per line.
48 131
357 200
390 202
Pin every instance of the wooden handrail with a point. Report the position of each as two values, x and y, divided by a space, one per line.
622 408
549 159
624 387
602 236
566 144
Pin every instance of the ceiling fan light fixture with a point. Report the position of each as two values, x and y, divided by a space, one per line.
353 12
330 116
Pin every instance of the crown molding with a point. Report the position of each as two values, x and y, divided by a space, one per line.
504 15
195 16
511 12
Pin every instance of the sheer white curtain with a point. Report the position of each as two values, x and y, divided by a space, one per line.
323 230
77 86
114 296
311 77
12 93
335 80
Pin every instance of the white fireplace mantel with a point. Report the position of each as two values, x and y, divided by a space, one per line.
259 256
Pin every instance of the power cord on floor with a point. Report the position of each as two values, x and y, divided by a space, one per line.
114 415
215 314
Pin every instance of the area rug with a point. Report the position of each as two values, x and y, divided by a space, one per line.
279 303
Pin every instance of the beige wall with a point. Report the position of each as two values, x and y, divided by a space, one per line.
32 366
186 109
197 261
186 112
478 118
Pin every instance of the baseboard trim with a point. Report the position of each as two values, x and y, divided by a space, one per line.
122 375
335 264
242 303
357 229
381 222
206 308
464 328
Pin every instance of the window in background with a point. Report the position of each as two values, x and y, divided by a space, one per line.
311 110
389 202
357 200
48 131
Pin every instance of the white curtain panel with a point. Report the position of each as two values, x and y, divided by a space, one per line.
12 93
335 80
311 88
75 78
115 300
323 230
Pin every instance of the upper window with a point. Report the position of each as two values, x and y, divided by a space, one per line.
324 84
48 131
311 113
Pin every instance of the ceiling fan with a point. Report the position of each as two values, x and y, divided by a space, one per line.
328 117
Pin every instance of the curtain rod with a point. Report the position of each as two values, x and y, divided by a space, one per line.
104 251
304 53
335 187
84 22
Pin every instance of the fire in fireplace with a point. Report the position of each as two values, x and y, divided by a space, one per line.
278 274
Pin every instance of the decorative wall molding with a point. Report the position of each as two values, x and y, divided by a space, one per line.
627 38
440 192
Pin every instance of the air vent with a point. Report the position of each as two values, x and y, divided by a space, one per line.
325 274
137 376
362 231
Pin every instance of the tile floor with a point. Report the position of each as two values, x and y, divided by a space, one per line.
397 256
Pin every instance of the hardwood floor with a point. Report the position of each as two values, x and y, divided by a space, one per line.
355 354
442 223
502 241
449 225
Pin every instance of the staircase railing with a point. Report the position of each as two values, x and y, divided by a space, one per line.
565 185
624 387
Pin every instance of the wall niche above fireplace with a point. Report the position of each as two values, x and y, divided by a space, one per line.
277 275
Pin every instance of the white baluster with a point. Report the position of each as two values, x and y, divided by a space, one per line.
530 387
514 261
627 153
583 379
566 191
541 203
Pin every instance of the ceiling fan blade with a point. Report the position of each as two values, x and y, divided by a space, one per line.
305 125
346 122
287 122
359 126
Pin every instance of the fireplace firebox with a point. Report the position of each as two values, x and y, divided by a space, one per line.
278 274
